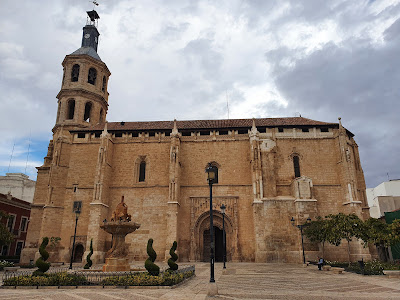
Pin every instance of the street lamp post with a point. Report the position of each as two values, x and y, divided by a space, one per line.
77 213
223 207
300 226
211 172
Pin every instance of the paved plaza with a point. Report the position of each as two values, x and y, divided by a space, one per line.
242 281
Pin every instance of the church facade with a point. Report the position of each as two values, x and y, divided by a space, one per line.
269 170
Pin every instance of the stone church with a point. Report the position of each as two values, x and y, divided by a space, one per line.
269 170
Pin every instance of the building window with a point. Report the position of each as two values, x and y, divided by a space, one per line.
88 109
101 116
280 129
92 76
142 171
11 222
75 73
296 166
19 247
103 88
305 130
4 250
71 109
323 129
24 223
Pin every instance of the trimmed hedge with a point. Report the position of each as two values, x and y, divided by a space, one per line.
370 267
55 279
149 264
4 263
144 279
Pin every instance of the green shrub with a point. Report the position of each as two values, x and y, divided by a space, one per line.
145 279
174 257
27 266
41 263
55 279
4 263
88 260
149 264
374 267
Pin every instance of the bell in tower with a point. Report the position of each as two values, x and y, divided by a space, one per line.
83 98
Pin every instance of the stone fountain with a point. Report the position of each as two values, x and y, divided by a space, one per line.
119 226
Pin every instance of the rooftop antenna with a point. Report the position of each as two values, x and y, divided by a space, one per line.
12 153
29 147
388 176
227 102
297 114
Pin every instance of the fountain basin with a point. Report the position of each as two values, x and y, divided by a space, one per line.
117 256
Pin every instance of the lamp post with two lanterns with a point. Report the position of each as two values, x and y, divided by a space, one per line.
300 226
77 213
211 177
223 207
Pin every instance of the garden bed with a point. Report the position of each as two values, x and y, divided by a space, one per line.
121 279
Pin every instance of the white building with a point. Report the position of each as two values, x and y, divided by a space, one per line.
18 185
384 198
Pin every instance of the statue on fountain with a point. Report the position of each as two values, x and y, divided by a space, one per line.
119 226
121 212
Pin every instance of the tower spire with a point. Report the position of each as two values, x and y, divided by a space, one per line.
90 36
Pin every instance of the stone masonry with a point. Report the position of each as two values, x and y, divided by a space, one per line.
159 167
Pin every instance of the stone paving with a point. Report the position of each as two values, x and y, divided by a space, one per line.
241 281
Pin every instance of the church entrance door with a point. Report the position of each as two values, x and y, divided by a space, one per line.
218 242
78 253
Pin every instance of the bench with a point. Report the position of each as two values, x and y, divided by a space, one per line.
337 270
10 269
392 273
326 268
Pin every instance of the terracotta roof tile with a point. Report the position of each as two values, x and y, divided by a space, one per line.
207 124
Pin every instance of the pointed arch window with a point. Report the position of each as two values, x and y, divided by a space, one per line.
92 76
142 171
101 116
75 73
296 165
88 109
103 88
71 109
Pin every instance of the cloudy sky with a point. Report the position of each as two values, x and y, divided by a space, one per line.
184 59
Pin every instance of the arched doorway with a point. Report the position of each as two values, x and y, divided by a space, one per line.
78 253
201 238
218 242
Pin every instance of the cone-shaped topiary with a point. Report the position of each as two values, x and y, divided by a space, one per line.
88 260
149 264
41 263
174 257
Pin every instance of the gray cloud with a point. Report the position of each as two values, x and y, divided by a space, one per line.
181 59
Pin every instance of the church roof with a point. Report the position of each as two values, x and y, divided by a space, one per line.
209 124
88 51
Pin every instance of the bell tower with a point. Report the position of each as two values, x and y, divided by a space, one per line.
83 98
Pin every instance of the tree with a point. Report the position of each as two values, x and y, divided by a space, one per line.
318 232
6 237
344 227
380 234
